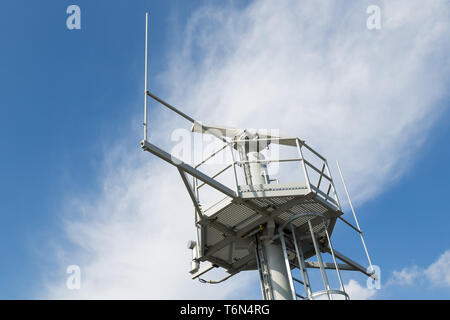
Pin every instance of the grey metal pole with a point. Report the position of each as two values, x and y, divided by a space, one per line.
319 259
275 259
305 172
287 265
301 264
334 257
146 76
336 197
279 277
234 169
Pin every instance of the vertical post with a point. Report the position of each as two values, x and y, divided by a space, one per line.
234 170
301 264
305 172
195 188
332 183
319 259
354 216
146 76
288 265
332 254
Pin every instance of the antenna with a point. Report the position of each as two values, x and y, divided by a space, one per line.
146 76
253 224
354 215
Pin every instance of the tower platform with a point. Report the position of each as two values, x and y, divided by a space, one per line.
294 219
256 224
229 224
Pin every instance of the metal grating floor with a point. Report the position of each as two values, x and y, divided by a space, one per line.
244 216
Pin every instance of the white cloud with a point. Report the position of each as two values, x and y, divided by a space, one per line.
354 290
309 68
358 292
436 275
131 240
312 69
406 276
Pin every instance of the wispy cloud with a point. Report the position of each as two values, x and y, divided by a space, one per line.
308 68
355 291
406 276
436 274
130 242
358 292
439 272
313 69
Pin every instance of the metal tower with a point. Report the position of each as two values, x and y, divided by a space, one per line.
256 224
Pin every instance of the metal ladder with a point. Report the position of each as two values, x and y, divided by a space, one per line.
301 265
266 284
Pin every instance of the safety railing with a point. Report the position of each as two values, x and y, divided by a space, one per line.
314 170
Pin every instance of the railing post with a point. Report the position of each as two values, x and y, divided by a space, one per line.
234 170
336 197
305 172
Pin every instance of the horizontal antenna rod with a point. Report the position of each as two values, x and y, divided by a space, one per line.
170 107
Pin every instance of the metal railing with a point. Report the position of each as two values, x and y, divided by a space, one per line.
324 186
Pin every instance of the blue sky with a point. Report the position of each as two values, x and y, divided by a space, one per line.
71 99
64 90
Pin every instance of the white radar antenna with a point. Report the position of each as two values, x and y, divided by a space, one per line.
275 228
